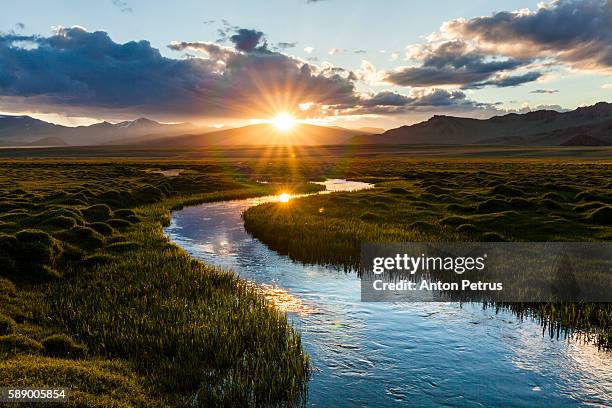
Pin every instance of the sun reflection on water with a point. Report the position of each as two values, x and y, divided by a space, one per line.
284 301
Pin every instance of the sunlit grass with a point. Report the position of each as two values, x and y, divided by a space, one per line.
88 277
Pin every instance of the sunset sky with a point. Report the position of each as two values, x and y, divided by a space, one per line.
338 62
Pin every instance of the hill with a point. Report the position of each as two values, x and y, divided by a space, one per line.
541 128
264 134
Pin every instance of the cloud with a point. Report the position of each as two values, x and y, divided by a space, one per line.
360 52
122 5
75 70
20 26
83 73
606 86
576 32
248 40
308 50
286 45
335 51
504 81
457 63
544 91
208 22
419 101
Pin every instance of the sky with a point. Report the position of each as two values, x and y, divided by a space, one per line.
337 62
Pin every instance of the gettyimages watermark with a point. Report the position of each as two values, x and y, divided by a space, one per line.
492 271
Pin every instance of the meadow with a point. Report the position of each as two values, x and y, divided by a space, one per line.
435 201
93 297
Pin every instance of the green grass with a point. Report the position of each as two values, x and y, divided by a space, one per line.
105 304
94 297
456 201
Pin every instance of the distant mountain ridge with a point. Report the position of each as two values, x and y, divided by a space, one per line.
584 126
25 130
541 128
264 134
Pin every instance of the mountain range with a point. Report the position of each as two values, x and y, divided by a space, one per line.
591 124
584 126
25 130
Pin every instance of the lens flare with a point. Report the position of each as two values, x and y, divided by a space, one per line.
284 197
284 122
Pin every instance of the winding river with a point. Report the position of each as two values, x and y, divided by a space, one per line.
385 354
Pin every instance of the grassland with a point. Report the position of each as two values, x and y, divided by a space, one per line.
93 297
453 201
92 294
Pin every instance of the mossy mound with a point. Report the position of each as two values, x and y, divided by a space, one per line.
102 228
118 223
29 255
83 237
519 203
122 213
62 345
7 325
492 237
13 344
60 221
507 191
602 215
550 204
132 219
453 220
467 229
398 190
97 212
493 205
7 287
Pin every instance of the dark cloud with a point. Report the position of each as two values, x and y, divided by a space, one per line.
360 52
544 91
78 72
77 69
578 32
387 98
421 100
122 5
454 63
504 81
208 22
20 26
248 40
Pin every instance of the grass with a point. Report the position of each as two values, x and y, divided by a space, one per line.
460 201
103 303
94 297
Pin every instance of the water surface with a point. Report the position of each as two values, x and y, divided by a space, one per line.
384 354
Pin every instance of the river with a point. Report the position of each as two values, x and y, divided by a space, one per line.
396 354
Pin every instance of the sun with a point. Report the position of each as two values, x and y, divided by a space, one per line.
284 197
284 122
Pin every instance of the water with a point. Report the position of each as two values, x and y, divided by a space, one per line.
383 354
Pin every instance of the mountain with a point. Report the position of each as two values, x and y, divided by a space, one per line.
583 140
50 141
25 130
372 130
22 130
264 134
542 128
